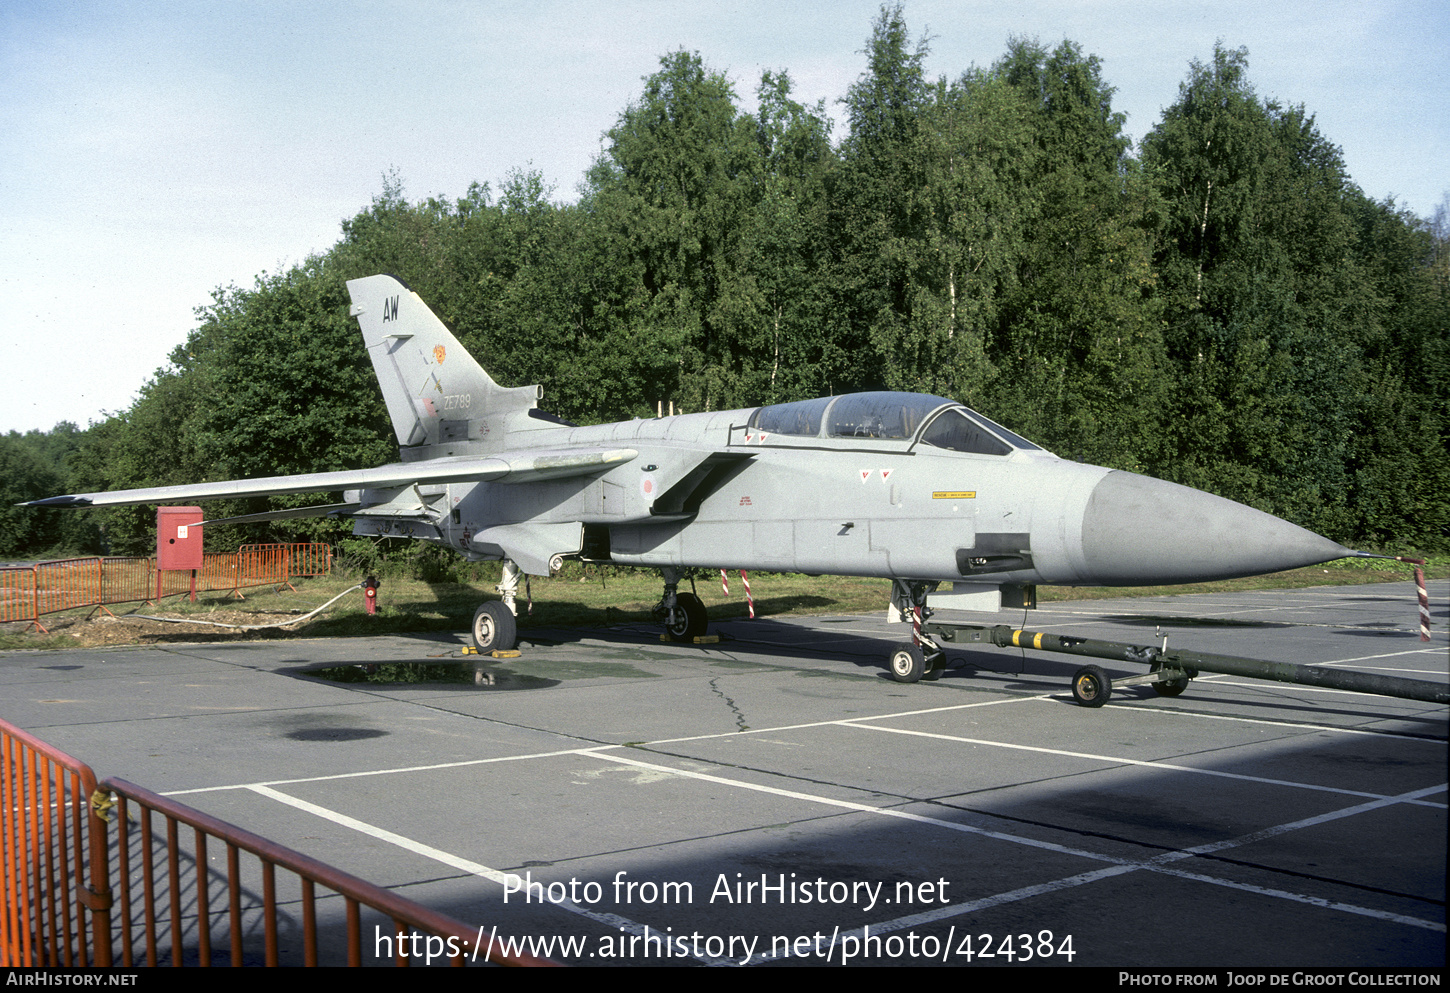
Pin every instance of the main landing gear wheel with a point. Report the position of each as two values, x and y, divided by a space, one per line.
691 619
494 628
1168 687
908 663
1091 687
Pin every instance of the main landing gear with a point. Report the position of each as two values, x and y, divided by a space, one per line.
921 658
682 614
494 628
495 624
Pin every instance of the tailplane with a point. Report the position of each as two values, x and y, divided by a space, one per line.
436 393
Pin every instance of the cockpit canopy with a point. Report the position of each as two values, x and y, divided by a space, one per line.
891 416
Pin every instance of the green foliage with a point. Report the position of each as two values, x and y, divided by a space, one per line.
674 193
1290 304
24 475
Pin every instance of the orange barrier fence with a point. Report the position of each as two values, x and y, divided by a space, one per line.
217 573
17 594
211 914
53 858
67 583
261 565
27 592
64 906
310 559
124 580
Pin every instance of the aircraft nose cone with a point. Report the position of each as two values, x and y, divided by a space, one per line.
1138 530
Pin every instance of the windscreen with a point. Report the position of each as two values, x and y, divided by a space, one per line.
957 432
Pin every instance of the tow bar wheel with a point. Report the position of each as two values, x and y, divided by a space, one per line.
1091 687
1168 687
908 663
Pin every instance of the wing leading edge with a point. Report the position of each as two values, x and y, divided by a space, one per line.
510 467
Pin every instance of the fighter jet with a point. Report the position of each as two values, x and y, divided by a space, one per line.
917 489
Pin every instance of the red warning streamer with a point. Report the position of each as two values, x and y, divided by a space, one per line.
749 600
1424 604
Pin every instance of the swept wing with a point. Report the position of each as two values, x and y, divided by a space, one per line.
512 467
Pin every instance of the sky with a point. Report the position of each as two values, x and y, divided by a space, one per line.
151 152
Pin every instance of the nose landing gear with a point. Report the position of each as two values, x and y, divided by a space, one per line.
922 658
683 614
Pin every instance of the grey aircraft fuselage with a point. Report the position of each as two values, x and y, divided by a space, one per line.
894 485
864 506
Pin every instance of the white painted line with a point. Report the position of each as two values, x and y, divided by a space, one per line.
1333 815
847 720
1158 863
389 772
957 909
1266 684
862 808
588 750
1313 901
1210 848
1116 760
1144 708
1214 610
447 858
418 848
1388 655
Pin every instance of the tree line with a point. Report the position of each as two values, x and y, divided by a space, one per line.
1221 306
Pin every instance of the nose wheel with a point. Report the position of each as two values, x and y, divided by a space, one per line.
910 663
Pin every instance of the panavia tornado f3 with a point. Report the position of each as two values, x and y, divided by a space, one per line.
917 489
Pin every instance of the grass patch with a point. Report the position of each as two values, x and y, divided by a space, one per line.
581 597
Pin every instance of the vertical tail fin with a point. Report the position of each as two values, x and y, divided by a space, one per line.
434 389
